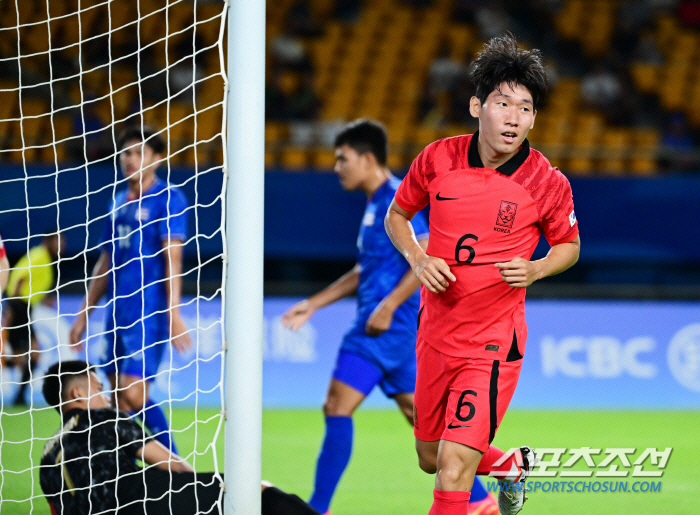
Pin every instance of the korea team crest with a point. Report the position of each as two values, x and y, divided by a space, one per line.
506 214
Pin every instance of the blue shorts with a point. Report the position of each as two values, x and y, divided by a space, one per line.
363 375
134 352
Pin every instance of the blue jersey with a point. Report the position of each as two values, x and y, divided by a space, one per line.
133 236
381 269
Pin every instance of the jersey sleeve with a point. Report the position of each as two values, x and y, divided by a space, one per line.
420 225
107 235
173 223
130 435
3 253
558 219
412 193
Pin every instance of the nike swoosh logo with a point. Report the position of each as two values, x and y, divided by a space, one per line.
452 426
438 197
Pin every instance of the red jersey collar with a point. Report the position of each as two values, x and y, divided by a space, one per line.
507 168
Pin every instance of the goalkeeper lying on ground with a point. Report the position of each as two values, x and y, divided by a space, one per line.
89 465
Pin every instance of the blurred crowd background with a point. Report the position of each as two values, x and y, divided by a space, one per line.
625 95
622 119
623 74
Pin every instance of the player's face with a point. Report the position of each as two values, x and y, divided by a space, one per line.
97 399
350 166
138 161
504 119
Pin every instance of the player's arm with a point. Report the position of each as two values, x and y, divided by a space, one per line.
433 272
155 453
382 316
299 314
179 337
521 273
96 289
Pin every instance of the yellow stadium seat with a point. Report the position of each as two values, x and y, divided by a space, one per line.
645 76
424 135
178 134
5 131
275 133
294 159
55 153
645 154
271 159
63 127
672 95
454 130
35 117
581 166
615 151
8 104
209 122
323 159
396 161
182 156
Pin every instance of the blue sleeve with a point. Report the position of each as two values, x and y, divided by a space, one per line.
107 236
173 223
420 225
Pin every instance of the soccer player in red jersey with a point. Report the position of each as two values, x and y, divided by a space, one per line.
491 197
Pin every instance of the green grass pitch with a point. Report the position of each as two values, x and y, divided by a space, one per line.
383 477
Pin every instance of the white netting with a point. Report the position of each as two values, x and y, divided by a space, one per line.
73 75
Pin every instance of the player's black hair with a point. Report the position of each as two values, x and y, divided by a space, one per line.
365 135
502 60
58 377
144 133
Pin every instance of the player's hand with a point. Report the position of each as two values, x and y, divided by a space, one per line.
297 315
75 336
433 272
518 272
179 337
380 319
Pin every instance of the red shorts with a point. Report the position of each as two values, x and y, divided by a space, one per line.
462 400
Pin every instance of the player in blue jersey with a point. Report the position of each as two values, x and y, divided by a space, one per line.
139 268
379 348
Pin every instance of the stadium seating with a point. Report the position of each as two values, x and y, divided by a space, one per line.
376 65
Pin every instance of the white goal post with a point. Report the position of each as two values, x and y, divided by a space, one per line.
244 243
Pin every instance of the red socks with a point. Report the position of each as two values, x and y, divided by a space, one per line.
494 461
509 468
450 503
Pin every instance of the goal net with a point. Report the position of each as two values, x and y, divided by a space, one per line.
74 75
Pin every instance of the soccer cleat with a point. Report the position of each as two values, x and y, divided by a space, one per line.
511 494
486 506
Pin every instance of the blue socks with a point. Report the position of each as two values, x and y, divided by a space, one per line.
332 461
479 493
154 420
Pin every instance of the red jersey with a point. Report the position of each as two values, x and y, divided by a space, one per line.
2 249
478 217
